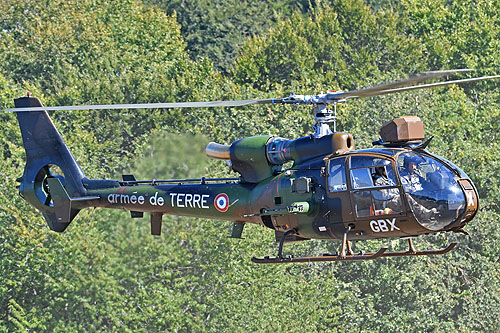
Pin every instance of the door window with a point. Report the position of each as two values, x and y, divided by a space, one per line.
374 186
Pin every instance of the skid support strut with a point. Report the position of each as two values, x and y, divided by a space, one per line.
346 244
282 241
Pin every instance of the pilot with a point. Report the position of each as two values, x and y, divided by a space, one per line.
413 182
410 178
391 197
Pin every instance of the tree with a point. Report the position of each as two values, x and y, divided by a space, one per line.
216 29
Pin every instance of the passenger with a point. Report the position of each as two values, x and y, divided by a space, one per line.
386 198
381 178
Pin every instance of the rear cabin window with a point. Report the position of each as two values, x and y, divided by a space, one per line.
336 175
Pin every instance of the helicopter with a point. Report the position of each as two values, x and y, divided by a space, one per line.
332 191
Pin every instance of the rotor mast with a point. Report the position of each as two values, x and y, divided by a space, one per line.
323 116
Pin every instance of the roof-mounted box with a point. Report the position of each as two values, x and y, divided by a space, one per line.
403 129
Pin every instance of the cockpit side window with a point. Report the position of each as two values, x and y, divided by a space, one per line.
374 186
361 178
336 175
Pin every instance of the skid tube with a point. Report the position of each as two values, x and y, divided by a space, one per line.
349 256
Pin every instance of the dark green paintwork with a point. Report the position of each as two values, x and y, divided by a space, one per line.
265 194
248 157
196 200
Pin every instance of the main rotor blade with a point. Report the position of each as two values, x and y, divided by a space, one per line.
328 98
151 105
417 78
430 85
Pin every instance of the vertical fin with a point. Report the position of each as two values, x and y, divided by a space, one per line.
45 147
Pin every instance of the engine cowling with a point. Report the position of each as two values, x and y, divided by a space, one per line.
259 157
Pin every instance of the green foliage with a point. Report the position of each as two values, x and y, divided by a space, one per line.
161 153
216 29
341 46
106 273
86 40
94 52
462 34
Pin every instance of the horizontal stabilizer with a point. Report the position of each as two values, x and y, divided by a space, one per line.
62 201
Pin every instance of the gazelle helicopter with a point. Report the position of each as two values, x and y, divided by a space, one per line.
397 189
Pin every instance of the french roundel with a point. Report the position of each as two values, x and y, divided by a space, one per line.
221 202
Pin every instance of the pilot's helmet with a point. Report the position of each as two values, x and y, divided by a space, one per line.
380 171
411 159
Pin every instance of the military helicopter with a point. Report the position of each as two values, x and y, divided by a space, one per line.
396 189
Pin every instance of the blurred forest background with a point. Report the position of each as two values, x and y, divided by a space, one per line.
107 273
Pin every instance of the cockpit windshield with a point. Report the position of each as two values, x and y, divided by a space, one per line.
431 189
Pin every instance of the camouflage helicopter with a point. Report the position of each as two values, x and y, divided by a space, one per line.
396 189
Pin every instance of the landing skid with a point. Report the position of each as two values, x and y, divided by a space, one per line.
346 253
420 253
324 257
